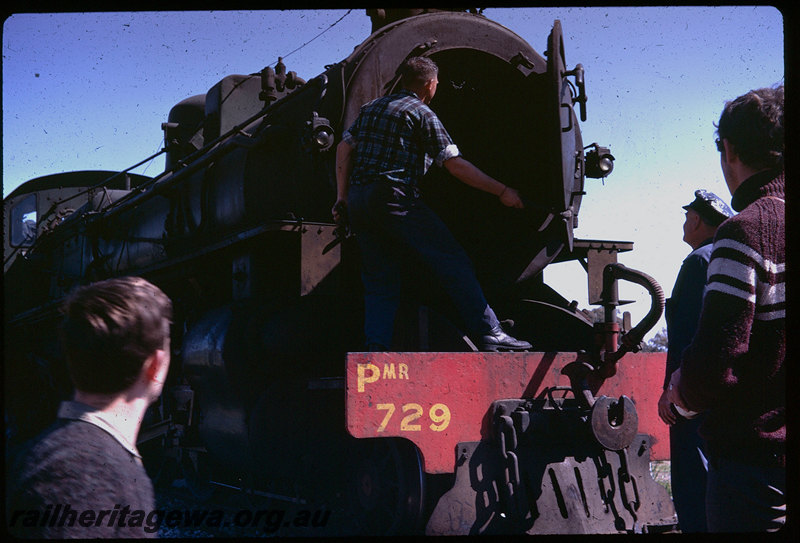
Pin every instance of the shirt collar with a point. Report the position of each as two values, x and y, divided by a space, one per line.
763 183
86 413
705 242
409 93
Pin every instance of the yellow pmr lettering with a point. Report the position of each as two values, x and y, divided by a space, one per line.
374 374
369 373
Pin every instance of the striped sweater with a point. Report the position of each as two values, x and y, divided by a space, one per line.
734 368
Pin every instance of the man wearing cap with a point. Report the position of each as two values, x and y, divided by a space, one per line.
688 463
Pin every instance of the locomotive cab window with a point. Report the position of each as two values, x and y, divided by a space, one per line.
22 229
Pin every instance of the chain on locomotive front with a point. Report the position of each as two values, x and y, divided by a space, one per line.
268 301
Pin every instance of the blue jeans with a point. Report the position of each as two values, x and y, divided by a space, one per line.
745 497
394 227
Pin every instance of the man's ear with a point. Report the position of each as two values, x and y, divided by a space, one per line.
697 222
155 364
152 368
730 152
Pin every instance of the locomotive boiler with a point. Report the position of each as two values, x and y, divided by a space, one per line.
268 390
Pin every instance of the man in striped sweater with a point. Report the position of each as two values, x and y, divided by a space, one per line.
734 368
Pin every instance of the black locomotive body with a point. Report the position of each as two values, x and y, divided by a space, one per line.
267 294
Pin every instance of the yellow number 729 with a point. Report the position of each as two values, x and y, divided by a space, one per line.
438 413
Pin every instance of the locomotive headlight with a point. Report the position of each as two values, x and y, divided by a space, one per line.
321 133
323 137
599 161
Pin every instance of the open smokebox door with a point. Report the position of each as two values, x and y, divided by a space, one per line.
512 116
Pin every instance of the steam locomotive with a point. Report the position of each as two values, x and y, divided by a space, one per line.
268 390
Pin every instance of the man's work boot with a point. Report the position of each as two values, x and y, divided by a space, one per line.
498 340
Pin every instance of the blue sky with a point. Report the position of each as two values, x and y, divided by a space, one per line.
90 91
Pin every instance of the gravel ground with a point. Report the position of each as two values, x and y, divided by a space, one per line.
661 474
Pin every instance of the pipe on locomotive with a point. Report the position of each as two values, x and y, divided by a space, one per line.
224 144
585 377
631 340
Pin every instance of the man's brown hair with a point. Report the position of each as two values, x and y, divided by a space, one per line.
110 328
753 124
416 71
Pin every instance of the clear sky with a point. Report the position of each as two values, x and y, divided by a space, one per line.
90 91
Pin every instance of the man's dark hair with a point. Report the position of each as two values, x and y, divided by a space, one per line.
753 124
110 328
416 71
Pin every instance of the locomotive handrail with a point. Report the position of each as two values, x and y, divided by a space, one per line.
268 226
99 185
186 166
224 143
183 167
580 99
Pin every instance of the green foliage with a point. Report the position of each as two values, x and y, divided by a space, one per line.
656 344
597 314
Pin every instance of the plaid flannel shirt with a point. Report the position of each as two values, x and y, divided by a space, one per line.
397 138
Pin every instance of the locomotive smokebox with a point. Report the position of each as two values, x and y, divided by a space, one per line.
509 110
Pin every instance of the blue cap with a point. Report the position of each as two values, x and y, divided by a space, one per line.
710 207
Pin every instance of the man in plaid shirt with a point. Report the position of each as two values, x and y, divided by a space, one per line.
379 163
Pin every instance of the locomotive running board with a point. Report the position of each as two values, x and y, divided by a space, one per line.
440 399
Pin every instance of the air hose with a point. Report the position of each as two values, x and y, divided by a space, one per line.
631 340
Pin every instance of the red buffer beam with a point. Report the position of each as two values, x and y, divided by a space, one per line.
437 400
